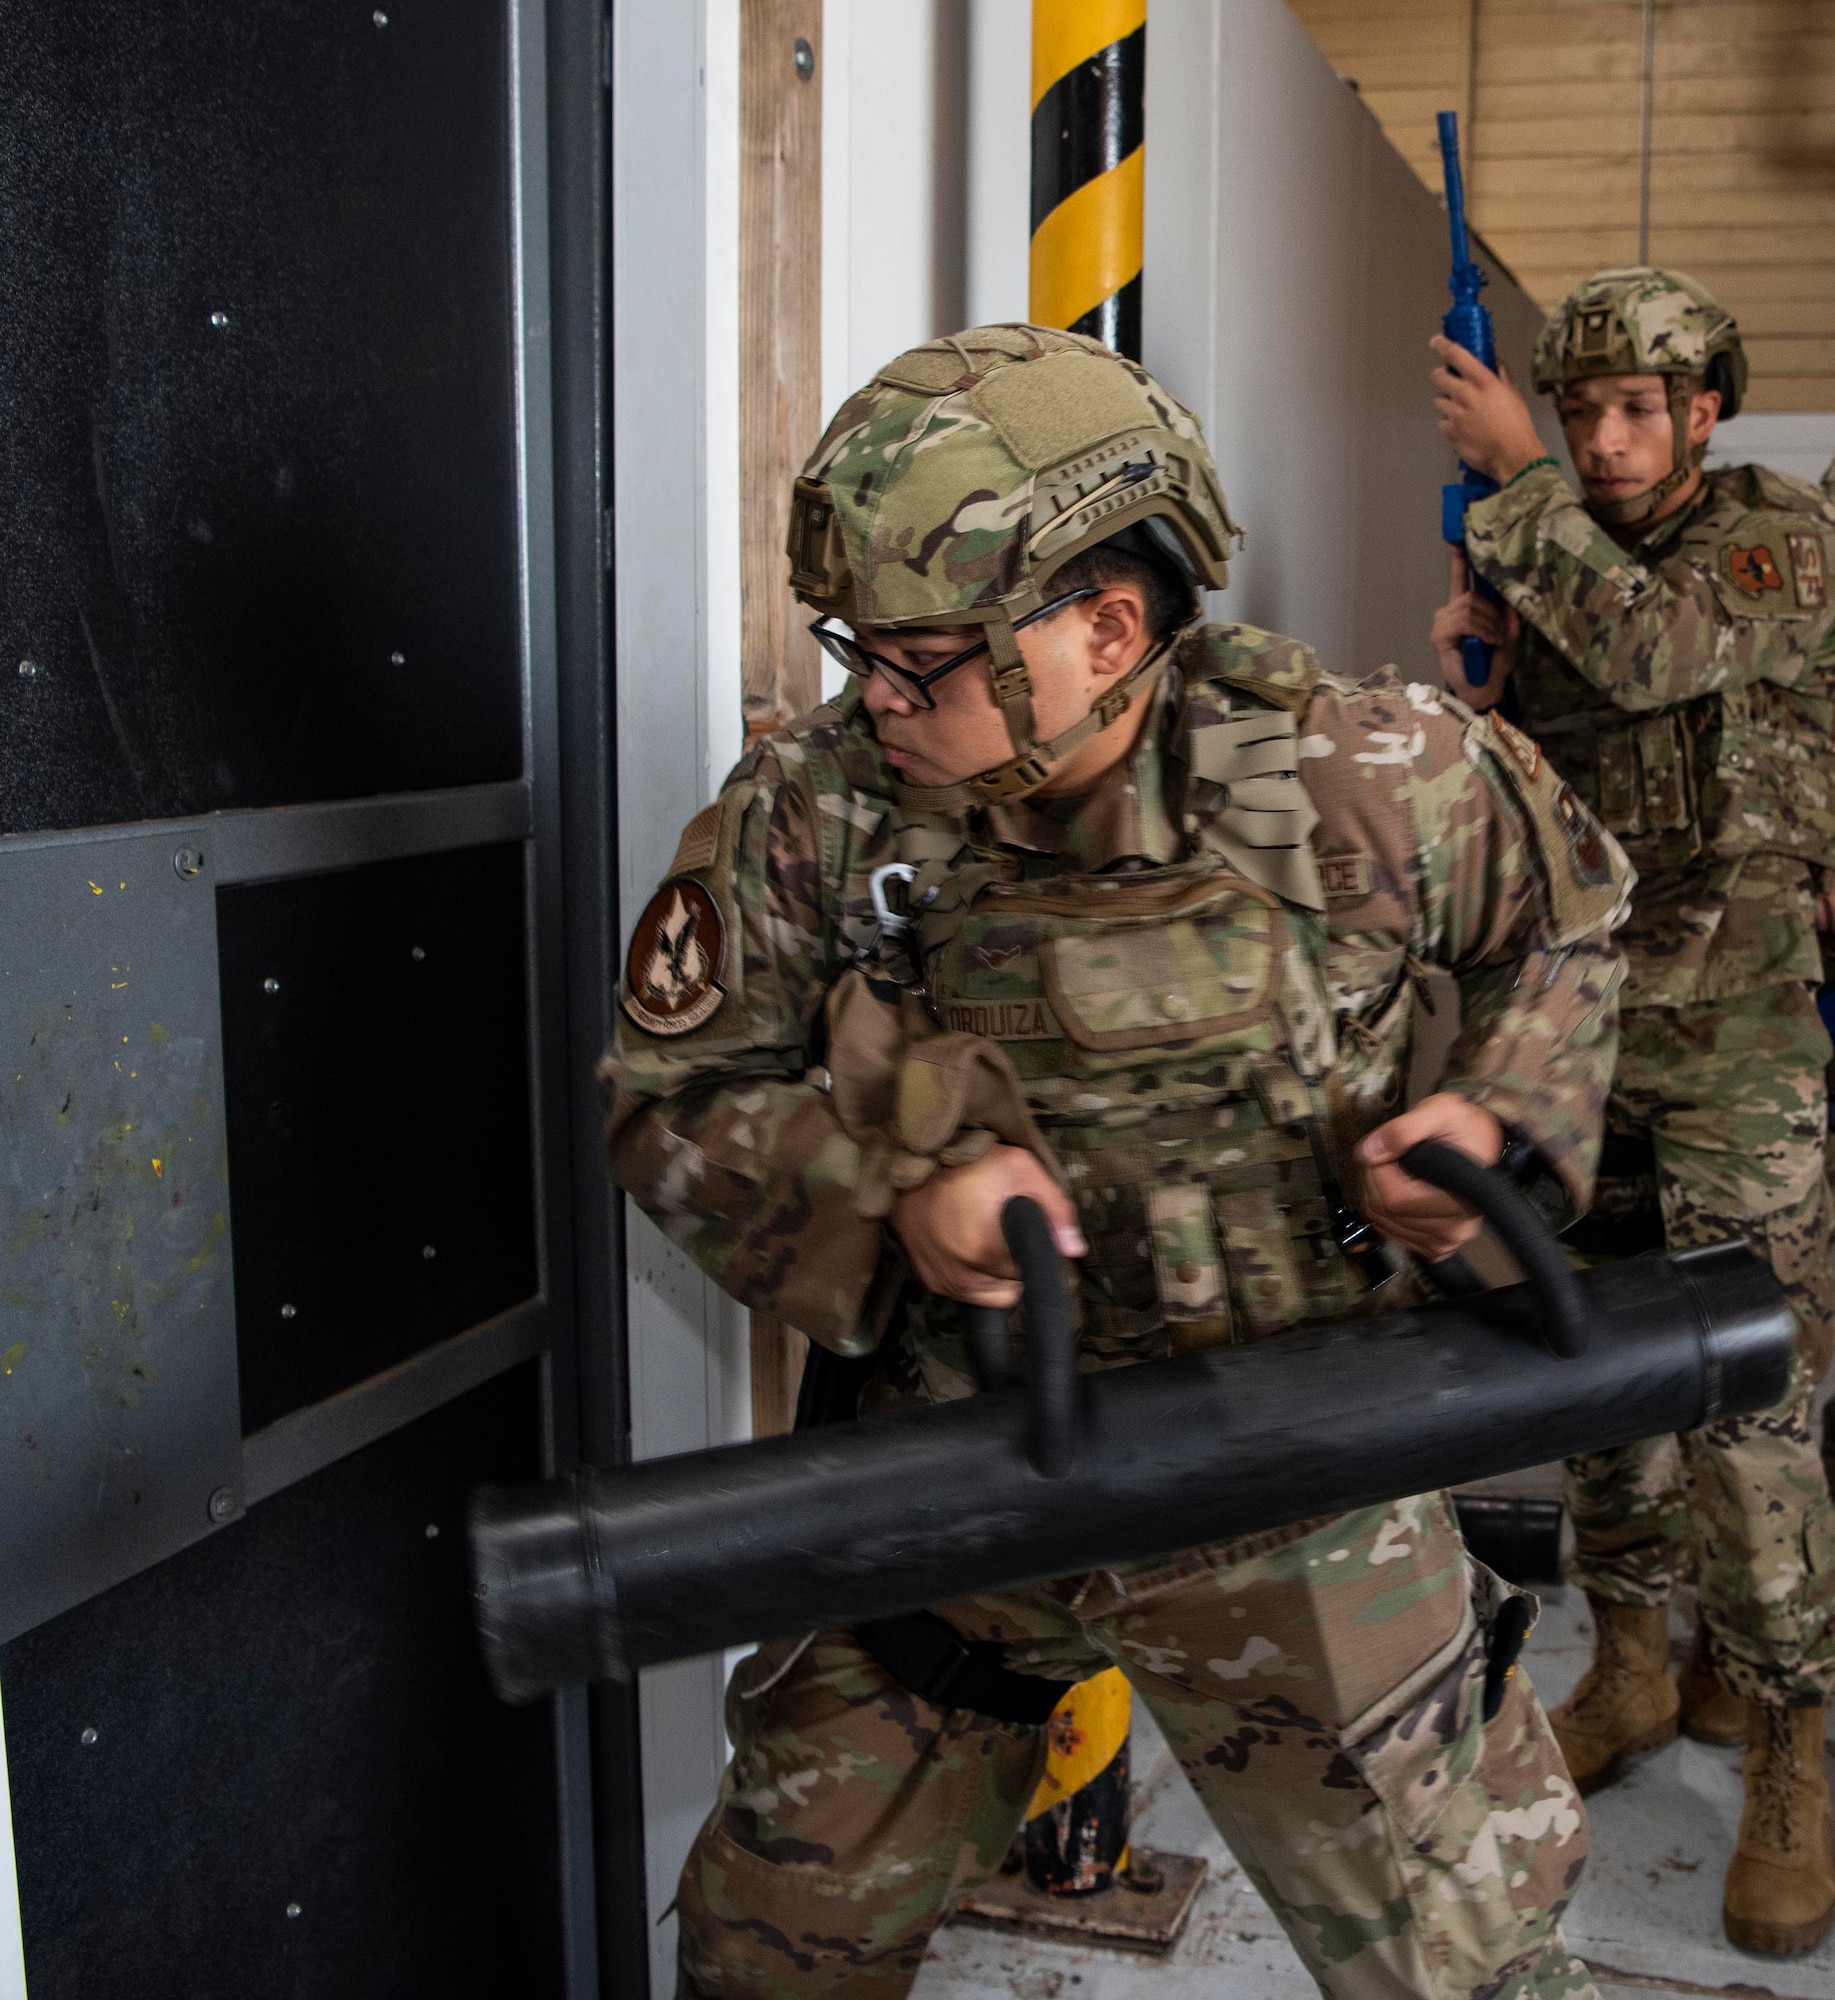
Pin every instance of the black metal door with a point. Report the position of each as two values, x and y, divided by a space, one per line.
304 921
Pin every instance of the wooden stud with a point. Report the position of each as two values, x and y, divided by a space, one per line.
780 341
780 419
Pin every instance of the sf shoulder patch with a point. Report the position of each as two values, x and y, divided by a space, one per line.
1754 569
671 985
1812 573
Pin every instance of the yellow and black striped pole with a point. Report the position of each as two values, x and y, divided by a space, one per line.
1089 73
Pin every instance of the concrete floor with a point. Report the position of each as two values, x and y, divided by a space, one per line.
1647 1917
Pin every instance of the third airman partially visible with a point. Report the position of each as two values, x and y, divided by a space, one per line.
1670 638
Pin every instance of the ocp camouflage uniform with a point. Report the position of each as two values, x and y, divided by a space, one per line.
1189 991
1316 1685
1683 685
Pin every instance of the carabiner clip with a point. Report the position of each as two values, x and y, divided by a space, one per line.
893 924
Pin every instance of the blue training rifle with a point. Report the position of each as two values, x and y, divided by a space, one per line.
1469 323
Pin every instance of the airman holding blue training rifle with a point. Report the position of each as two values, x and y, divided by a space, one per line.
1670 639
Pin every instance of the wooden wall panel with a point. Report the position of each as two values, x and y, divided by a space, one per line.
1407 58
780 340
1742 146
780 419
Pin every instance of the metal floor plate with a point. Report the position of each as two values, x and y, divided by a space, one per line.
1117 1916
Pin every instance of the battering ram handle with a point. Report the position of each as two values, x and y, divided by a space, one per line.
1051 1340
1563 1324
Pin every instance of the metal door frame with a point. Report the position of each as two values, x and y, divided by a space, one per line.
562 811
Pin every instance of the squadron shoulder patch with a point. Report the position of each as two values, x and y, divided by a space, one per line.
1811 571
1592 865
670 983
1755 570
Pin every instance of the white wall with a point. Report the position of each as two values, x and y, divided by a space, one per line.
1801 442
1294 271
675 398
897 109
999 206
12 1947
894 143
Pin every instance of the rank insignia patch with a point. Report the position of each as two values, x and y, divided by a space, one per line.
676 949
1812 572
1755 570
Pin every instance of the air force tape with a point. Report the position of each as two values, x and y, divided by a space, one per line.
670 986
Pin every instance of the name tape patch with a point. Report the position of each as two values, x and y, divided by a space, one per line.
1001 1020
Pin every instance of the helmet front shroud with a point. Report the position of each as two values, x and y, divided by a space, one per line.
953 486
1646 321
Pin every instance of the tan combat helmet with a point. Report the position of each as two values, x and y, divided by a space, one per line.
951 488
1646 321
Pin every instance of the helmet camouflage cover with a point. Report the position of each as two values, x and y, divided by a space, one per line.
951 488
1646 321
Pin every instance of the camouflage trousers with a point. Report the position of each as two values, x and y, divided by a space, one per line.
1715 1129
1322 1689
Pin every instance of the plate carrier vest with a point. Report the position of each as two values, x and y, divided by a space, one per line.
1720 776
1171 1027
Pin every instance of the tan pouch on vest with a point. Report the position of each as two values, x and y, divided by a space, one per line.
915 1097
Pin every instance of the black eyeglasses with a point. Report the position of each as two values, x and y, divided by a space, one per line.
842 647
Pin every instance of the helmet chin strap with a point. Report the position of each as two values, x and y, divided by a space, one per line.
1684 457
1032 761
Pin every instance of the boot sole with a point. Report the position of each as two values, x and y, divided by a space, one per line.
1607 1774
1777 1940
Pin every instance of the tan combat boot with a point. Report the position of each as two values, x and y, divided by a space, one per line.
1626 1701
1711 1712
1781 1887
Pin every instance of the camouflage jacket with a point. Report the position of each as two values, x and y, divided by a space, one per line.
1684 685
1442 841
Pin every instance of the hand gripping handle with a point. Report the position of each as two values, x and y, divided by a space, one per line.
1563 1320
1051 1340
